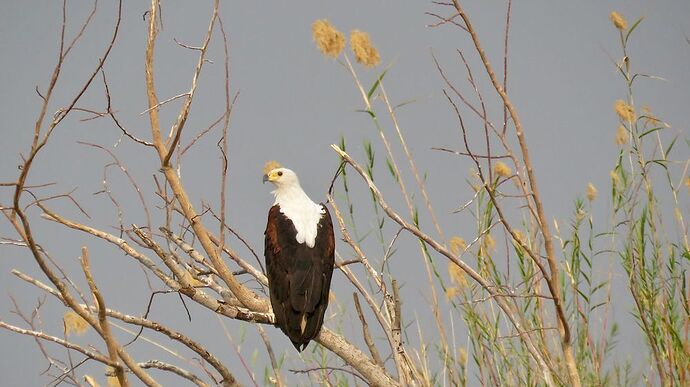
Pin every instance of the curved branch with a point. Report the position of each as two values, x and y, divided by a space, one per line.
44 336
195 294
157 364
374 374
245 295
505 306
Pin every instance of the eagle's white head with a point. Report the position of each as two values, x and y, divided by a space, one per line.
294 203
282 178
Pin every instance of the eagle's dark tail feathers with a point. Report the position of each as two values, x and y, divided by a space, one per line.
293 329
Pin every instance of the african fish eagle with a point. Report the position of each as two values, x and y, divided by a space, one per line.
299 251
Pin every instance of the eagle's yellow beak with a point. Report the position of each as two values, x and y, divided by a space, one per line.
268 167
272 176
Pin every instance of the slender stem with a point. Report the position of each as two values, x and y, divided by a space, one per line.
553 279
492 290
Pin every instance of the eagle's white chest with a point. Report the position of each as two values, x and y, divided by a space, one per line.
304 214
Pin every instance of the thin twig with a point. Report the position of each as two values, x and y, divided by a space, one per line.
271 355
102 321
131 179
365 332
157 364
44 336
186 94
184 111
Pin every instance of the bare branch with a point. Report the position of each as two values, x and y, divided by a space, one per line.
164 102
174 369
245 295
184 112
471 154
111 113
102 321
124 170
374 374
365 332
271 355
44 336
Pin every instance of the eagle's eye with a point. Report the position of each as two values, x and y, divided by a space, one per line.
280 173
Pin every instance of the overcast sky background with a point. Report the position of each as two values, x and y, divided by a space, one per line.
292 104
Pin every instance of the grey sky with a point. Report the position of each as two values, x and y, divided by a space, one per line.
293 103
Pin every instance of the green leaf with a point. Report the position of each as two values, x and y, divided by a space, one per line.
632 29
650 131
391 169
642 232
686 255
401 104
376 84
599 286
370 153
594 307
670 146
662 163
370 112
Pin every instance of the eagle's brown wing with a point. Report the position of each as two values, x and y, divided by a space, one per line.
299 277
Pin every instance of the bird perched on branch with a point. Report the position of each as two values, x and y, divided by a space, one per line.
299 251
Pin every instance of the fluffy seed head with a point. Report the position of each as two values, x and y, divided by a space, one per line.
457 245
462 357
329 40
451 292
580 214
618 21
364 51
502 169
457 276
74 323
489 243
621 135
592 192
625 112
615 179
